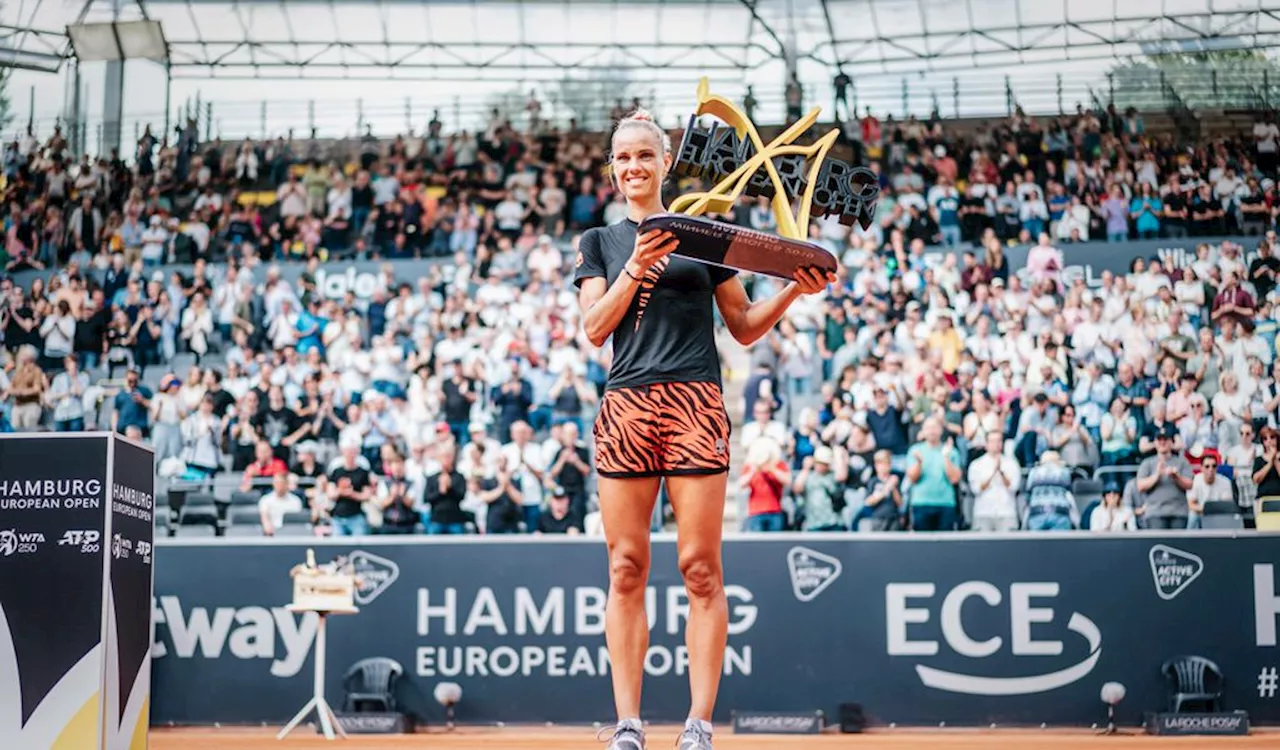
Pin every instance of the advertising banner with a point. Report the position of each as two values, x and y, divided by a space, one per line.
74 619
1088 260
961 629
133 506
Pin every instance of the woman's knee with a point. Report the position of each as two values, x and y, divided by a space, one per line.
703 575
628 572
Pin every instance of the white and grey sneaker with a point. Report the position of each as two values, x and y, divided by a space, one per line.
696 736
627 735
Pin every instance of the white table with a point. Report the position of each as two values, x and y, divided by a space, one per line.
328 721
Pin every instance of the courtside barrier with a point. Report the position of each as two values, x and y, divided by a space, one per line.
962 629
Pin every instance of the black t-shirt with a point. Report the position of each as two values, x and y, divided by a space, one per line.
1270 484
346 506
570 477
222 400
1262 282
279 424
549 524
502 516
457 407
446 507
668 332
1174 202
362 197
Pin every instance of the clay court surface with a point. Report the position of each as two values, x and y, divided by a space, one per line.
663 739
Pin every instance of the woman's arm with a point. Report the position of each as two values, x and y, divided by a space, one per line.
604 306
747 321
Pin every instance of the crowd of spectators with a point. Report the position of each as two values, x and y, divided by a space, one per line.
924 390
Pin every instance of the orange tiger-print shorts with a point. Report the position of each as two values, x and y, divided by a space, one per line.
662 429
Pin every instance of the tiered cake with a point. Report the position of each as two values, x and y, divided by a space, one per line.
322 588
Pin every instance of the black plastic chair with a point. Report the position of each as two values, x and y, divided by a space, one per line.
1194 680
371 683
1220 508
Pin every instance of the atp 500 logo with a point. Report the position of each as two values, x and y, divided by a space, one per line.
912 604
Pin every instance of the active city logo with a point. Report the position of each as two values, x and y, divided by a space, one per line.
811 572
14 542
374 575
1173 570
1022 616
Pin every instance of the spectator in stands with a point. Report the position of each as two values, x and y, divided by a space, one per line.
131 407
264 466
350 487
445 491
1050 504
67 395
1207 487
933 469
765 477
276 502
1112 514
558 519
1162 484
995 479
395 499
819 486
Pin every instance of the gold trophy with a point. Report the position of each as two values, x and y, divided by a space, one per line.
737 160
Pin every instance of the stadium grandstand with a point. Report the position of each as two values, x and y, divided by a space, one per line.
320 254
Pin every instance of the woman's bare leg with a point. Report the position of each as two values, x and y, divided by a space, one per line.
698 502
626 510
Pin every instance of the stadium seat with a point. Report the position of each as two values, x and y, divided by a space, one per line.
1122 474
1222 522
1086 492
1220 508
1267 512
162 523
242 516
239 499
1087 512
243 521
193 518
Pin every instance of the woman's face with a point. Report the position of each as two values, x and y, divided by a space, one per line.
638 162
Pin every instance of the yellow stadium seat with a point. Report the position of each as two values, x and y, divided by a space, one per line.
1267 513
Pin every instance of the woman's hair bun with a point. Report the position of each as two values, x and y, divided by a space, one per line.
640 115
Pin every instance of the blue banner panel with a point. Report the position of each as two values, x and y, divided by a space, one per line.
961 629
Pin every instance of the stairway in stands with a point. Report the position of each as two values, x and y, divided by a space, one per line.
736 366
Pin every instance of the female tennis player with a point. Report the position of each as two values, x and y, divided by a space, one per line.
663 416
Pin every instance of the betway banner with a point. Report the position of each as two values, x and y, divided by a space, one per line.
968 631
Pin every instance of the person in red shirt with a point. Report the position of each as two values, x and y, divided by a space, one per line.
265 465
765 475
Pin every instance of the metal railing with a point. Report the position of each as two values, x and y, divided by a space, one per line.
971 95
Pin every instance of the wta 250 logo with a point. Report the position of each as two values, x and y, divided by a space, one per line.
14 542
910 611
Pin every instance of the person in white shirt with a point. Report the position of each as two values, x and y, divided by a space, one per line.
529 460
1112 514
1207 487
995 478
274 504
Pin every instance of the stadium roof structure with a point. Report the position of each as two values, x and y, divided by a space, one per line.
534 40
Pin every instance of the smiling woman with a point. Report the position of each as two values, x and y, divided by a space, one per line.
663 417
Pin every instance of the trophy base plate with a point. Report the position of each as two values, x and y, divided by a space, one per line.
740 248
